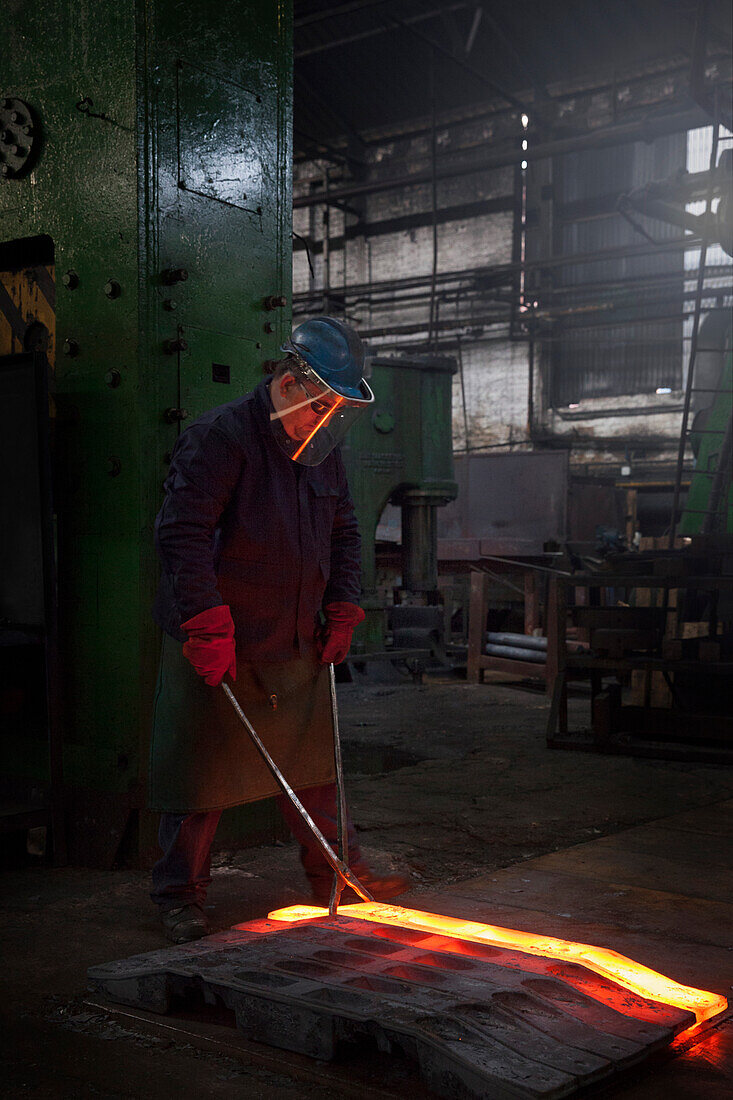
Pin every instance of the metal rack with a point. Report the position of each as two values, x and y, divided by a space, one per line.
623 638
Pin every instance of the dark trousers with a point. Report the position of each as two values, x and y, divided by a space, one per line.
183 874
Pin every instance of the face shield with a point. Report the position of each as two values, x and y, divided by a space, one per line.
309 418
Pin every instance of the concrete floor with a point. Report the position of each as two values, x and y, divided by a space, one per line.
452 783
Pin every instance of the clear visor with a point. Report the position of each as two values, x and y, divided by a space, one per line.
309 418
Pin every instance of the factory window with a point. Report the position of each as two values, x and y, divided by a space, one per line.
616 314
717 288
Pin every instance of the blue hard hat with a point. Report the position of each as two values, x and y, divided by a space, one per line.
335 353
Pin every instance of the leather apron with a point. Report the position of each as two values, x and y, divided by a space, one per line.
202 757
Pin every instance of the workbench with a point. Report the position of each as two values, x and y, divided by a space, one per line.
623 638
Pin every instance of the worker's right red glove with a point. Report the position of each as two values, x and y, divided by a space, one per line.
341 618
210 645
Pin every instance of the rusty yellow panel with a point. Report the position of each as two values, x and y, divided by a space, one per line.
6 335
10 330
27 317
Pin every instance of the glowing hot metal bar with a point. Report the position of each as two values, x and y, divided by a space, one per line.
625 972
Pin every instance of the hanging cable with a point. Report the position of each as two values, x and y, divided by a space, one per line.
306 245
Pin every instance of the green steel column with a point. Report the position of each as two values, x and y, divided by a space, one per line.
166 147
401 451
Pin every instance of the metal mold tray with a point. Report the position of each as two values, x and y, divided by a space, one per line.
479 1021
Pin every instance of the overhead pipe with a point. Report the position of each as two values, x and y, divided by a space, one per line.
515 653
481 114
538 643
524 641
646 130
499 272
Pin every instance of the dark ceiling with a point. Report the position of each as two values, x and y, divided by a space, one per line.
366 64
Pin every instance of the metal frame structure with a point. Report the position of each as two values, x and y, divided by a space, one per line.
484 303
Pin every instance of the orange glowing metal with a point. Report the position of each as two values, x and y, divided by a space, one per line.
321 423
625 972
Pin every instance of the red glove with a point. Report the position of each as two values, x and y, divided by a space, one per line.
341 618
210 645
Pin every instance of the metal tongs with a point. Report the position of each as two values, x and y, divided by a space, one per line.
343 876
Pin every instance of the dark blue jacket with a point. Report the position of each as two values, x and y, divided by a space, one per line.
244 525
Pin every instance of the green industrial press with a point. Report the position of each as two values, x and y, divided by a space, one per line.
145 274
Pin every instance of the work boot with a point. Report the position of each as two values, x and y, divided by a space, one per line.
186 923
381 887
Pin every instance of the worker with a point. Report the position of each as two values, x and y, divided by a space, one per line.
260 583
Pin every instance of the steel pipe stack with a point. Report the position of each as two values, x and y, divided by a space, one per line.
522 647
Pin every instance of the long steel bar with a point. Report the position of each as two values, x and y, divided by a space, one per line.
494 310
453 329
645 130
656 293
338 866
341 821
528 565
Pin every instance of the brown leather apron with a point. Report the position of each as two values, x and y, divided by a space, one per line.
202 757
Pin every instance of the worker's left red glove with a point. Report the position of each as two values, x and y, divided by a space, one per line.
341 618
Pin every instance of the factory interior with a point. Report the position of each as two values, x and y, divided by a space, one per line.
519 217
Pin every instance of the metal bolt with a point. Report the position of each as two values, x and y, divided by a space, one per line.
113 378
70 348
258 345
112 288
5 169
173 275
182 185
5 104
383 421
268 326
15 116
174 415
170 347
70 279
170 305
274 301
27 130
6 136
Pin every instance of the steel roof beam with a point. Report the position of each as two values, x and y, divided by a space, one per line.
383 28
646 130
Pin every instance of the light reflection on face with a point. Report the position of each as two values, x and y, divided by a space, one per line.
289 391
